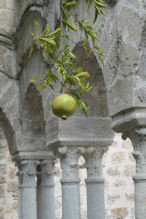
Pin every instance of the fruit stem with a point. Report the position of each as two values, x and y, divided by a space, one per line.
66 88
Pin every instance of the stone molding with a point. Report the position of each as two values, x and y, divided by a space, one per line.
134 117
78 131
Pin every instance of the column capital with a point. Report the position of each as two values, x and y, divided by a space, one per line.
27 171
69 161
132 123
93 157
46 172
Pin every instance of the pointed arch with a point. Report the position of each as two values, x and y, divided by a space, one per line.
96 100
7 130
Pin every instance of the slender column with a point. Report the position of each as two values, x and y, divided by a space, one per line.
95 183
19 193
27 189
70 183
45 190
139 142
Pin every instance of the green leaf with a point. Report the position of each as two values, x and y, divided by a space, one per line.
47 29
30 51
72 55
41 86
48 40
82 106
64 58
56 32
80 82
66 12
69 64
83 74
70 80
71 25
85 21
89 89
101 59
77 70
99 4
36 26
81 26
54 78
71 4
89 4
75 94
96 15
35 79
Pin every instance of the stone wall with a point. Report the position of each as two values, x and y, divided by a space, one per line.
118 168
8 183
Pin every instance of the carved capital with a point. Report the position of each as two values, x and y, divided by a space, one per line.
93 157
132 123
27 170
69 161
46 173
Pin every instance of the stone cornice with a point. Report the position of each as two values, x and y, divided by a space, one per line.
39 155
79 142
91 131
132 118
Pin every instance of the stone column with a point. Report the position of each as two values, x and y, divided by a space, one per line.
132 123
70 182
27 189
139 141
95 183
19 193
45 190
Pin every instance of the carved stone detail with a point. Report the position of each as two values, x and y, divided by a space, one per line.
46 173
93 157
69 161
27 171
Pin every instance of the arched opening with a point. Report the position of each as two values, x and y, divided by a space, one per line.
7 130
8 180
96 100
32 117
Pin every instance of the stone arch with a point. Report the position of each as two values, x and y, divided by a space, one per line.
8 130
23 38
32 118
96 100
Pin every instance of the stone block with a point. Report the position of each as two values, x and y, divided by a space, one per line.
130 23
79 131
121 95
2 190
119 213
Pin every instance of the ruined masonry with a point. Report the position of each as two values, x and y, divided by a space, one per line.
38 142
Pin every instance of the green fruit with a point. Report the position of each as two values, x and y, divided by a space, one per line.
64 106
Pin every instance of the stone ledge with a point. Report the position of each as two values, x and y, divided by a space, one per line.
39 155
132 118
91 131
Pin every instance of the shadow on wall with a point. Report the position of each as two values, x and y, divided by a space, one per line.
96 100
32 116
8 130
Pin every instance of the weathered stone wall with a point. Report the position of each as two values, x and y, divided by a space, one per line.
122 83
118 169
8 183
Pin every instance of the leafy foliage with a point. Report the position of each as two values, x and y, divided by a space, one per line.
60 58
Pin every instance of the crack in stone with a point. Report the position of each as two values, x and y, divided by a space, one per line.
9 76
